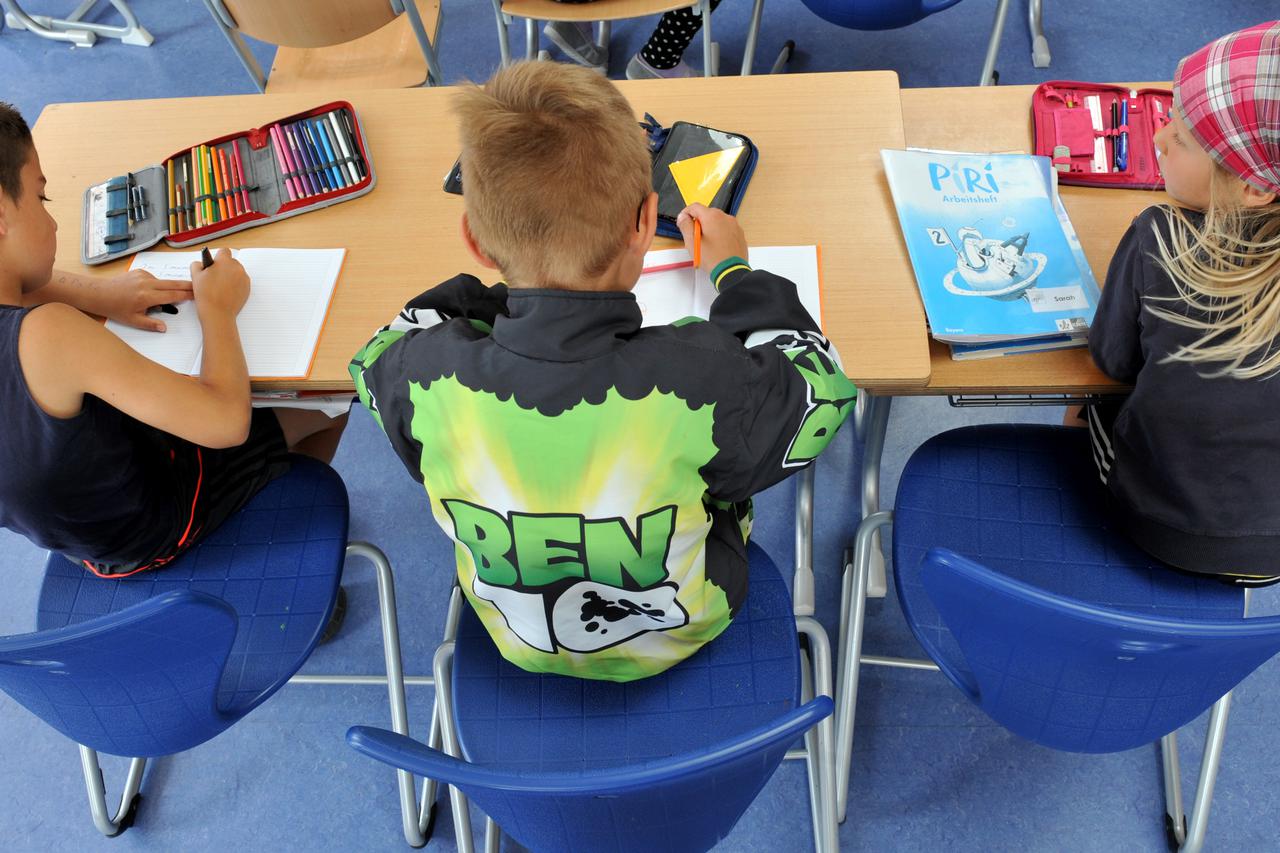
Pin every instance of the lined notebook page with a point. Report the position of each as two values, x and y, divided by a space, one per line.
289 295
666 295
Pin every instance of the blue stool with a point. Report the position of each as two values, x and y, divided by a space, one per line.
892 14
1021 592
162 661
668 762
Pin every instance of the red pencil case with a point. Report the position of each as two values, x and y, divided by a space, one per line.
1072 125
302 162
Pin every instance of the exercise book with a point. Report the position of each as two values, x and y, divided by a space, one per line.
670 289
289 295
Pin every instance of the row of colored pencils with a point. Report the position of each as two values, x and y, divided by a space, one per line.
207 186
317 155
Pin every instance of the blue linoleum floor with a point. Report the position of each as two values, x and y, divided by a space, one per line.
929 771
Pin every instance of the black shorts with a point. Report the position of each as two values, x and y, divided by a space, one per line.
211 486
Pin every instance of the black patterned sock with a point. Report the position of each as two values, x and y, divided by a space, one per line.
672 37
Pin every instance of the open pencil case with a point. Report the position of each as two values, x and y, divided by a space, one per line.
1090 145
692 163
302 162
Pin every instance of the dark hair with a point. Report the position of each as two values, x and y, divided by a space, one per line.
15 150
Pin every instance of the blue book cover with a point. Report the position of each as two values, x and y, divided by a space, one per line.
995 257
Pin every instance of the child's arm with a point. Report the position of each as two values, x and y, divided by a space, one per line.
1115 336
124 298
65 355
795 394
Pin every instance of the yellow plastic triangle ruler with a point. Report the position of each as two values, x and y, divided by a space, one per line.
700 178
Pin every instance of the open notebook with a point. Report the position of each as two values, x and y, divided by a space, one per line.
279 326
670 289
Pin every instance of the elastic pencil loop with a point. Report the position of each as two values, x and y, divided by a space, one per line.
116 187
118 211
206 197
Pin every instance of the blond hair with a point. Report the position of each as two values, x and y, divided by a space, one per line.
1227 272
554 168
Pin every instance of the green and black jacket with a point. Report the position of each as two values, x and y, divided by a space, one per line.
597 476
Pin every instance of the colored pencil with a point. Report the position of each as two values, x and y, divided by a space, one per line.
273 131
298 182
301 155
219 185
308 159
331 149
697 243
229 182
342 143
317 157
244 186
206 190
173 204
196 218
211 186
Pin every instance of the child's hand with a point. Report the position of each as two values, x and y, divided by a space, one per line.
722 236
127 298
222 289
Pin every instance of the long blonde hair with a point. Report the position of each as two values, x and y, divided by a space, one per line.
1227 271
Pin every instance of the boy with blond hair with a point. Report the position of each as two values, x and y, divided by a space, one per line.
595 476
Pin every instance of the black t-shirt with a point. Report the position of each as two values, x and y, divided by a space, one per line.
93 486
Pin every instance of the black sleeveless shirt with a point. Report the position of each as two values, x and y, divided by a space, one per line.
94 486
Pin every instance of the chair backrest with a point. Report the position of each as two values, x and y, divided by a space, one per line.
684 803
310 23
876 14
139 682
1080 677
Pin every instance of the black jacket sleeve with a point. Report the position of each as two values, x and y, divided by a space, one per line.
792 392
1115 339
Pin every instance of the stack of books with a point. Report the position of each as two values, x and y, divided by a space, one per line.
998 264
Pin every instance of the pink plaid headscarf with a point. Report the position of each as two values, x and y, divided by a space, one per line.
1228 93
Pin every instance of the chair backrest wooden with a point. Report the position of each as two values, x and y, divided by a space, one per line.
309 23
600 10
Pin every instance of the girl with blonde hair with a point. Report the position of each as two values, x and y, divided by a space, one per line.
1190 315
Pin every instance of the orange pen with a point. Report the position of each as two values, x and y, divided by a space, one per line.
228 181
218 183
697 244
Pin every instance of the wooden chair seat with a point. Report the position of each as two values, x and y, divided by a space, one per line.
601 10
387 58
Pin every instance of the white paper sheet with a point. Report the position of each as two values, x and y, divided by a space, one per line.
289 295
667 295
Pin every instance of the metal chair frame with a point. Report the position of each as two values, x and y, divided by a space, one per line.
1188 838
227 24
74 29
416 817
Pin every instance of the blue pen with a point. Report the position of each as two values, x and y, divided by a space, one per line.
317 160
1124 135
328 148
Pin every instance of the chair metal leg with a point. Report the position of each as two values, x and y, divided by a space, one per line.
504 40
1040 56
993 44
1175 817
435 77
430 787
441 665
233 37
708 50
851 655
823 759
530 38
802 583
93 782
74 29
875 428
753 35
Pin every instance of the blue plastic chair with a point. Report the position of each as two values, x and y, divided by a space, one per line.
165 660
1024 595
669 762
893 14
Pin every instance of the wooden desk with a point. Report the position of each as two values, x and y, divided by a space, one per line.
818 181
998 118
